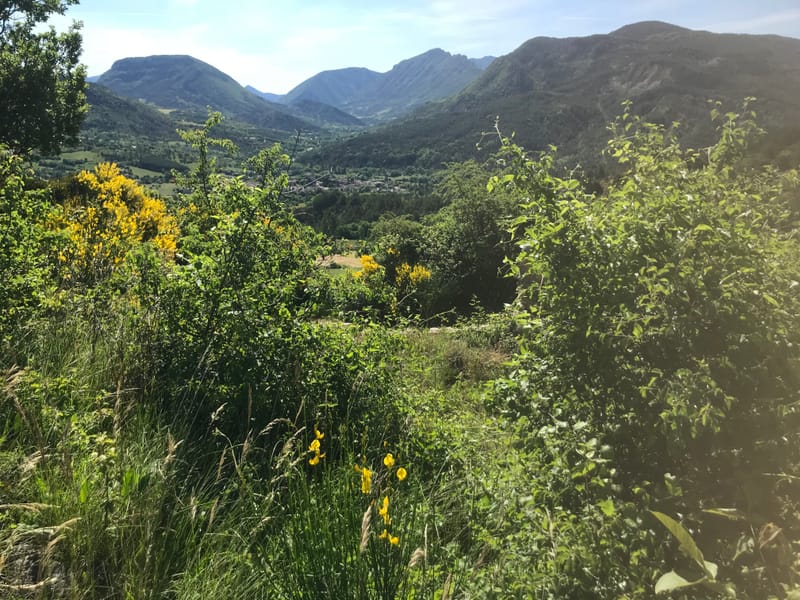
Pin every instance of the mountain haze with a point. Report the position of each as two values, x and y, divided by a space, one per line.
277 98
430 76
376 97
337 87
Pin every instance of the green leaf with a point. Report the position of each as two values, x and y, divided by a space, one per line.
711 569
672 581
684 538
703 227
720 588
607 506
734 514
771 300
83 494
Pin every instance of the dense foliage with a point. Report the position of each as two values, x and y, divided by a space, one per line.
41 80
188 411
660 369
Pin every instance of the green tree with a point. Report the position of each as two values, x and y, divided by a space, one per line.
663 339
42 84
467 241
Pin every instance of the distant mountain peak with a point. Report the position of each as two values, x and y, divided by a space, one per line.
186 83
373 96
564 91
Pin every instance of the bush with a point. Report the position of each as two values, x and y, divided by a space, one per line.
662 328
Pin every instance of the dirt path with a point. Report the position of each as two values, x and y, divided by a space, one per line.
340 260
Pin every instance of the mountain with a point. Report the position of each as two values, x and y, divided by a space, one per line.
376 97
109 112
565 91
482 62
323 115
187 84
337 87
319 113
430 76
276 98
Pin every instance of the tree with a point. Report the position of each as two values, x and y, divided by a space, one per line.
661 352
467 241
42 84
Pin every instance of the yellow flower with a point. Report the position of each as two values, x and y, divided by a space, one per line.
366 479
368 266
402 473
392 539
415 275
384 511
319 435
388 460
314 447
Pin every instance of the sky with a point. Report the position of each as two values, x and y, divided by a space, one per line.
275 45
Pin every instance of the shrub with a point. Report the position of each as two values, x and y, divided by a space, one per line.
662 326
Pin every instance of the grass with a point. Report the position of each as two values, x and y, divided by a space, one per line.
88 156
339 265
129 513
139 172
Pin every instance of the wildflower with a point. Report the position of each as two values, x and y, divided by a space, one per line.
314 447
368 266
401 473
383 511
392 539
366 479
388 460
406 274
317 434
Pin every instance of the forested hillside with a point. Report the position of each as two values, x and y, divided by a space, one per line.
185 83
563 92
520 385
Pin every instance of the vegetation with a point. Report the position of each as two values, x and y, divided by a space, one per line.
192 407
565 91
41 82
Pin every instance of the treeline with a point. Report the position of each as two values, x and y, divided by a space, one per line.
351 215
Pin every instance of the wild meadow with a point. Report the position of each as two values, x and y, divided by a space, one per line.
191 407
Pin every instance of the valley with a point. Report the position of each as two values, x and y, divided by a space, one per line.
518 326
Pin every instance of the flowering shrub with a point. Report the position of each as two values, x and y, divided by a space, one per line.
406 275
369 267
108 217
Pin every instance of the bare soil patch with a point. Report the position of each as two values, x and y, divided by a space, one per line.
340 260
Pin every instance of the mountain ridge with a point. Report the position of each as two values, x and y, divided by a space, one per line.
374 97
182 82
564 91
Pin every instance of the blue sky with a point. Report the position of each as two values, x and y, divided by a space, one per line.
276 45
